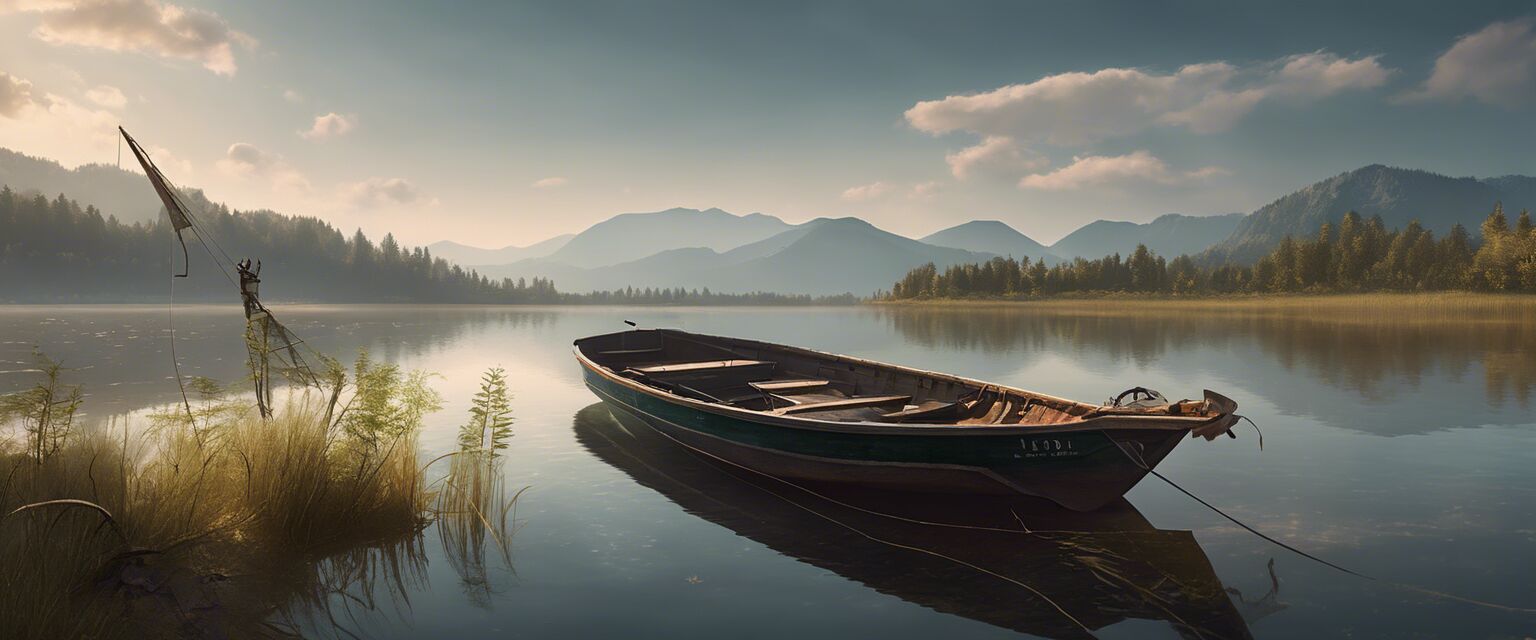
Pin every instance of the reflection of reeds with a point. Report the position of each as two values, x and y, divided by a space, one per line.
473 508
328 596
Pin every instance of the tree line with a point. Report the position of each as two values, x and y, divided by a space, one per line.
1353 256
681 296
55 251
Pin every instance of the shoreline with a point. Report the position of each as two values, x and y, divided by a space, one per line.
1404 307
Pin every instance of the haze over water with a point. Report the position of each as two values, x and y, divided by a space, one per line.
1397 448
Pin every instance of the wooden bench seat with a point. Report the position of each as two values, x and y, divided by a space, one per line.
630 352
929 409
700 367
840 404
789 386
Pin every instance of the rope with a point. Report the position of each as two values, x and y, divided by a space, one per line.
1138 461
170 321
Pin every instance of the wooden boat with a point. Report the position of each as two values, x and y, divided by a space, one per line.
802 414
1090 571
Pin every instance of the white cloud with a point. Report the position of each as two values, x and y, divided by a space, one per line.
550 182
293 96
247 161
330 125
145 26
54 126
924 190
15 95
375 192
1321 74
1135 167
866 192
24 6
107 96
1496 65
1079 108
994 155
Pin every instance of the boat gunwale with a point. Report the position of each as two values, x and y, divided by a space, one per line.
1096 423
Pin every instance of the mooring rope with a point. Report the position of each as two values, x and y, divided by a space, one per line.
1140 462
170 321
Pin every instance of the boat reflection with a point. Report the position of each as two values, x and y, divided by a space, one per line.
1015 563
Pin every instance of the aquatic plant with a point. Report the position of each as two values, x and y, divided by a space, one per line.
473 506
490 414
46 411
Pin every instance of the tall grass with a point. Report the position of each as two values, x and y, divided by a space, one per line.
214 527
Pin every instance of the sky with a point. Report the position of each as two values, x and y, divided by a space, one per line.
505 123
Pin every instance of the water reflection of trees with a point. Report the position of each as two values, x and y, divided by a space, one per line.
1376 360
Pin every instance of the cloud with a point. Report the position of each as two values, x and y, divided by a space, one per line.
144 26
1321 74
924 190
866 192
293 96
107 96
247 161
375 192
1079 108
550 182
995 155
1496 65
1134 167
54 126
15 95
330 125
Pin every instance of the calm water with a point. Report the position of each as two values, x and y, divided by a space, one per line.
1401 450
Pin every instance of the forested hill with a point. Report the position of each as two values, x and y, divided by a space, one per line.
1357 255
57 251
1399 196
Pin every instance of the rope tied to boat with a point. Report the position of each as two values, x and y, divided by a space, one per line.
1136 459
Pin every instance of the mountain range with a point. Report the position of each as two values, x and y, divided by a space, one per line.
824 256
992 236
468 256
1399 196
1169 235
725 252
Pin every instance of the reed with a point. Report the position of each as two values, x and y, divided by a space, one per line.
216 526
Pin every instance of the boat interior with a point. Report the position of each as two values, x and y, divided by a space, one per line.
787 381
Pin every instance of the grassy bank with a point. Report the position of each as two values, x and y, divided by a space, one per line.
1405 307
208 521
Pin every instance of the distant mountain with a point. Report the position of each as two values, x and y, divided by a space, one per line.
821 257
1169 235
468 256
1397 195
991 236
113 191
632 236
1520 189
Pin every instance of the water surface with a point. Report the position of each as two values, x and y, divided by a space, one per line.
1401 449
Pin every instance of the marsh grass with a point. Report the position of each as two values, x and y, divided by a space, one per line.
221 524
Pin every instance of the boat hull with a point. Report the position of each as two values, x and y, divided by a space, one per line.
1081 469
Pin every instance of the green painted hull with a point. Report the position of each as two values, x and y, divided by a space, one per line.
1081 469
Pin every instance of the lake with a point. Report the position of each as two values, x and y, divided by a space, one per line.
1401 449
